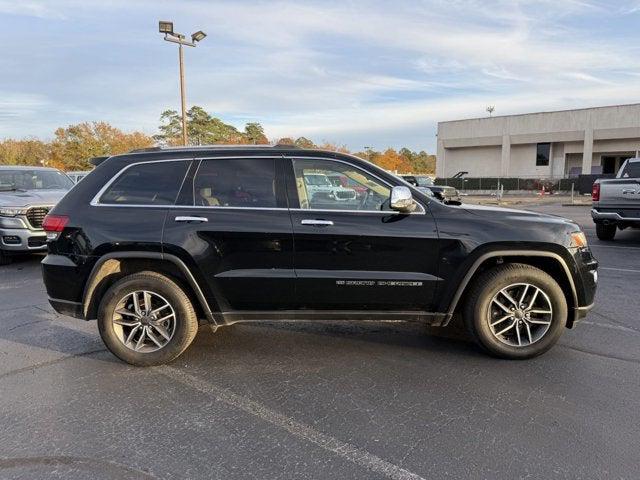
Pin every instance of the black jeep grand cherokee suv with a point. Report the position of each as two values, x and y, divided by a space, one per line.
154 240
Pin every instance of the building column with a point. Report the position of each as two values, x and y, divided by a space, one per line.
440 160
587 155
506 156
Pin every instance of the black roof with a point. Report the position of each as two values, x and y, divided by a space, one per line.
161 153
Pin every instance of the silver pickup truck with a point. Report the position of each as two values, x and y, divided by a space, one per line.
616 201
26 196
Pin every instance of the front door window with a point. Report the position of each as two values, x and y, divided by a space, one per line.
329 185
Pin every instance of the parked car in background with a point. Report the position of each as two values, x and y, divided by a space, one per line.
442 192
26 196
320 187
77 176
616 201
346 182
133 247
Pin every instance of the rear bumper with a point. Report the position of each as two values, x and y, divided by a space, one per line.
64 278
613 217
65 307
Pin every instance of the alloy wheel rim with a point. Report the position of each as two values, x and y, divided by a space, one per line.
144 321
520 314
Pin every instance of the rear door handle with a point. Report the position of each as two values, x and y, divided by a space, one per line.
317 223
188 219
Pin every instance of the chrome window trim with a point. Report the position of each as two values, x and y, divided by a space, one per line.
388 212
96 203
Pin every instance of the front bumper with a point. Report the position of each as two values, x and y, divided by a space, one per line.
23 240
582 312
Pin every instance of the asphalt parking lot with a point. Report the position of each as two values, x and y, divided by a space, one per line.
316 401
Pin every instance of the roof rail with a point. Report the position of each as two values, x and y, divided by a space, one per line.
211 147
95 161
146 149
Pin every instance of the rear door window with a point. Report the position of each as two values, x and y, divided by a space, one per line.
241 183
153 183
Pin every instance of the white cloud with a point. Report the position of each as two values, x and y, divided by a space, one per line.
331 69
29 8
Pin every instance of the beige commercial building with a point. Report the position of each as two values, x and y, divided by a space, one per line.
547 144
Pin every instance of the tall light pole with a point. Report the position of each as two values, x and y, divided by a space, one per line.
173 37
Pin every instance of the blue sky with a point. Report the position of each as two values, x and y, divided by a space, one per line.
374 73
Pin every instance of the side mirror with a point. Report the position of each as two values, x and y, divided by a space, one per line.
402 200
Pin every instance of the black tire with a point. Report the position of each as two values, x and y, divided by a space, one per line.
186 322
479 301
606 232
4 258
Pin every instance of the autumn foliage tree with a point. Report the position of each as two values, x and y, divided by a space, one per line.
75 145
392 160
24 152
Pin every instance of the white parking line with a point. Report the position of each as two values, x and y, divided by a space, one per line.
619 269
606 325
345 450
593 245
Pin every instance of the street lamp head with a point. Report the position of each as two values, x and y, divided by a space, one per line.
165 27
198 36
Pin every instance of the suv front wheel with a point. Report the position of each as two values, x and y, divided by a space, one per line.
146 319
516 311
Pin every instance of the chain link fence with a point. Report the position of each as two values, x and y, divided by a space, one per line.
493 184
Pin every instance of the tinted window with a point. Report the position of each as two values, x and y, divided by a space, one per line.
542 155
631 170
155 183
236 183
329 185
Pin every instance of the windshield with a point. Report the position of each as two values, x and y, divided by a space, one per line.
317 180
424 181
34 180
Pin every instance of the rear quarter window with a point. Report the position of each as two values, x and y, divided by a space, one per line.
153 183
631 170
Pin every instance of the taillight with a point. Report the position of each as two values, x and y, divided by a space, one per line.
595 192
54 224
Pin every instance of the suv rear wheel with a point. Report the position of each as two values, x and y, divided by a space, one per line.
606 232
516 311
146 319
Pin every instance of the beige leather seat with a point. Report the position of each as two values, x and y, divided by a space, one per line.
207 198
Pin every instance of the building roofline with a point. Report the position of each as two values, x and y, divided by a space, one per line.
542 112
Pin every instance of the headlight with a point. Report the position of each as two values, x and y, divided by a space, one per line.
578 240
12 211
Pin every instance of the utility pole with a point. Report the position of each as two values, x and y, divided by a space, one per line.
173 37
183 96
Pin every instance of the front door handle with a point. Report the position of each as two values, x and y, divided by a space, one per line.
188 219
317 223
